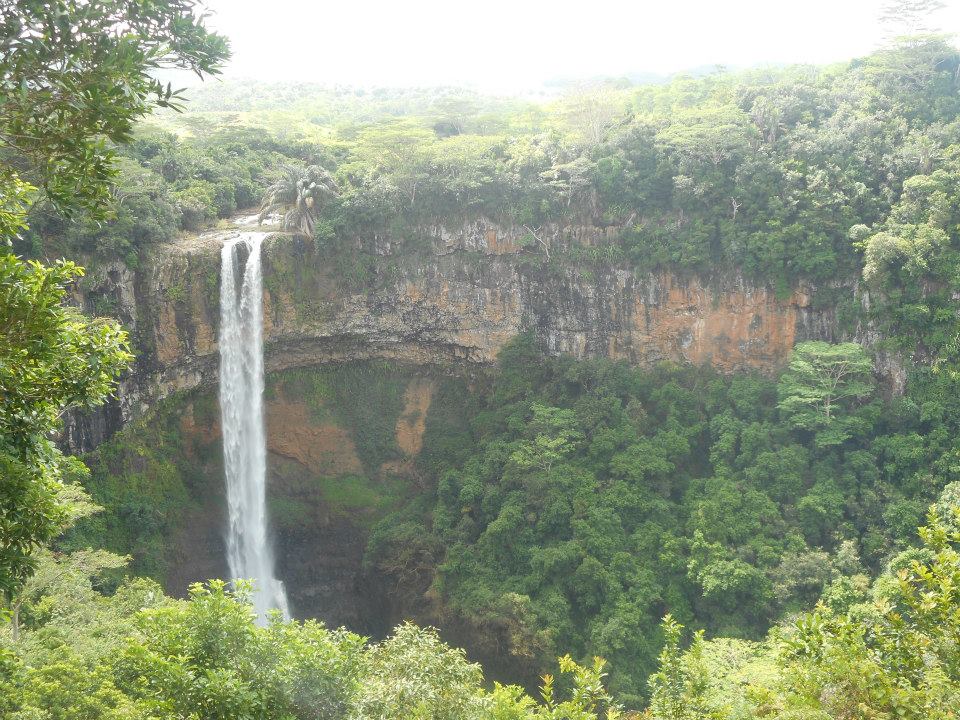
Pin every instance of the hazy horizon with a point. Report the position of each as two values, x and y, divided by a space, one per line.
516 47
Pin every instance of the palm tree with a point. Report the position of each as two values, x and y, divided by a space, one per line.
299 194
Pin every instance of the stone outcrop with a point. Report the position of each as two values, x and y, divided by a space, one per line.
451 304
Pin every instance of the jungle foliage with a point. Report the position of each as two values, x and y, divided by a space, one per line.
766 171
76 650
566 506
581 501
80 647
803 173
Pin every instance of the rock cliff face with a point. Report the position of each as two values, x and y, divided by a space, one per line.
322 496
442 305
451 304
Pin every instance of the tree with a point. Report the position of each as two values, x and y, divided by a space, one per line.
588 697
821 383
679 687
708 137
894 657
590 110
206 657
54 570
15 199
52 359
397 154
453 112
768 116
68 690
554 435
909 247
300 195
910 69
74 77
412 674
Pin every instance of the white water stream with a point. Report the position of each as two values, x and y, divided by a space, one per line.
249 552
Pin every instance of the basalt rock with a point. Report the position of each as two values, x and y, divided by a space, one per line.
451 302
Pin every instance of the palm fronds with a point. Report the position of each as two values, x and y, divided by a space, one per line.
300 194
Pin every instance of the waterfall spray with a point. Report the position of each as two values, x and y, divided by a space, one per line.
249 552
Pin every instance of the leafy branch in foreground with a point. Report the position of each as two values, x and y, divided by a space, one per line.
76 74
52 358
74 77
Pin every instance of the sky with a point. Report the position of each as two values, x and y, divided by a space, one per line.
516 45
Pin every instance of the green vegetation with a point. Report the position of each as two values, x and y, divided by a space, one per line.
891 652
51 358
819 385
567 506
71 88
146 477
576 504
300 196
584 500
713 537
783 175
78 653
165 186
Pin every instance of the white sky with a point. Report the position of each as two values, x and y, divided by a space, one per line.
504 45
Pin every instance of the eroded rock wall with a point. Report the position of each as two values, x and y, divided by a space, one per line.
453 305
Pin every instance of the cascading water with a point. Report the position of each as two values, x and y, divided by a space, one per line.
249 553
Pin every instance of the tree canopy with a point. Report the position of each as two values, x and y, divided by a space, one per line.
74 76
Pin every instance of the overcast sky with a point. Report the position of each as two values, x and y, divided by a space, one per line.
505 45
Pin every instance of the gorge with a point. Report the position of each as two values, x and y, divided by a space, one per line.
635 398
424 322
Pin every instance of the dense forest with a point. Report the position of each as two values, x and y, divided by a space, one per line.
606 540
830 176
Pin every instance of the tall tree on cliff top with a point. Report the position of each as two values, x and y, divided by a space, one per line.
74 77
300 195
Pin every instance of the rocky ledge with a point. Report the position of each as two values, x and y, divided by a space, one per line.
451 304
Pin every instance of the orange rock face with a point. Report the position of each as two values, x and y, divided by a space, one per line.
732 330
456 307
498 245
412 421
293 432
322 447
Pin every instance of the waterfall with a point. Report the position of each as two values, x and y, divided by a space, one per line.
249 553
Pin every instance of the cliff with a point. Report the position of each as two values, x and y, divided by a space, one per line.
360 343
450 304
